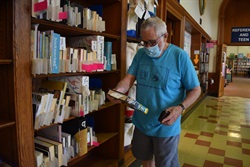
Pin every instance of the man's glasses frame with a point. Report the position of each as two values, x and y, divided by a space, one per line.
151 42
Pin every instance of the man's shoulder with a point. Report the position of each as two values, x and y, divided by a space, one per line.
175 47
140 51
177 51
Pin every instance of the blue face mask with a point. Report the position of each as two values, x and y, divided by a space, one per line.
153 51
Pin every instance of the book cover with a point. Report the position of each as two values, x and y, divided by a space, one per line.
128 101
34 33
76 83
49 35
53 132
108 54
78 129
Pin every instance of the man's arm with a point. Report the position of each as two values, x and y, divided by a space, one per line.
176 111
125 84
192 96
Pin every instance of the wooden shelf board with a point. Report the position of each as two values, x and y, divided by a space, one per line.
5 124
68 31
98 162
102 138
5 61
106 105
133 39
74 74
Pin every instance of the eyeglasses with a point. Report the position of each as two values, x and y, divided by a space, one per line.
151 42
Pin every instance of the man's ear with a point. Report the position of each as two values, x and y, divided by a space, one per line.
166 36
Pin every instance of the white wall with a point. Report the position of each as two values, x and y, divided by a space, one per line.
209 21
238 49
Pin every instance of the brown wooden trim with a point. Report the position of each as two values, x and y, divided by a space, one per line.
175 9
161 10
22 82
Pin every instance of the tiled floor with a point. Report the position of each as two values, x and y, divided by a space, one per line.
217 134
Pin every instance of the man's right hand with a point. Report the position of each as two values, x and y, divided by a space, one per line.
113 100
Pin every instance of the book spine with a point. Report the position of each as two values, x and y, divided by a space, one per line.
107 54
55 54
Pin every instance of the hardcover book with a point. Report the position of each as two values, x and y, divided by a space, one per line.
128 101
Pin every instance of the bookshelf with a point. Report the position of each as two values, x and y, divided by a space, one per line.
241 66
16 116
203 67
16 127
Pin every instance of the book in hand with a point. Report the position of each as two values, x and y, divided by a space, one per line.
128 101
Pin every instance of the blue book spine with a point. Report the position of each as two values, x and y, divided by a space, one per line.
108 54
55 59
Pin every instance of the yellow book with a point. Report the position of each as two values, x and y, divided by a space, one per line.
81 139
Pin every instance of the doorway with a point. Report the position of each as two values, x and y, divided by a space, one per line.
238 64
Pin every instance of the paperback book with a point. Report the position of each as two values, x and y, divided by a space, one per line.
132 103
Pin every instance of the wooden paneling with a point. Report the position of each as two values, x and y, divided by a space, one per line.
195 45
237 14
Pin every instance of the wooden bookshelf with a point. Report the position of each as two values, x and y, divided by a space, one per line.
16 126
16 114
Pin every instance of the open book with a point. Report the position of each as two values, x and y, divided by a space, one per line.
128 101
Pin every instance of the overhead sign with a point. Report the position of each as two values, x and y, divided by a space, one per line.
240 34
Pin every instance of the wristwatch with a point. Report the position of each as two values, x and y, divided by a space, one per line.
183 108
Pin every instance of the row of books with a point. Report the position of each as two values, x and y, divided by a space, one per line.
49 104
56 145
61 97
69 13
204 67
204 57
84 54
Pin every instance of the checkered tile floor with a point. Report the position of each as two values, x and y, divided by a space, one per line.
217 134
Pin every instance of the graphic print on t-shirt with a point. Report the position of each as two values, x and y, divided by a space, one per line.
153 76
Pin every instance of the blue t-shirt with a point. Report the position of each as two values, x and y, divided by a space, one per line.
161 82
